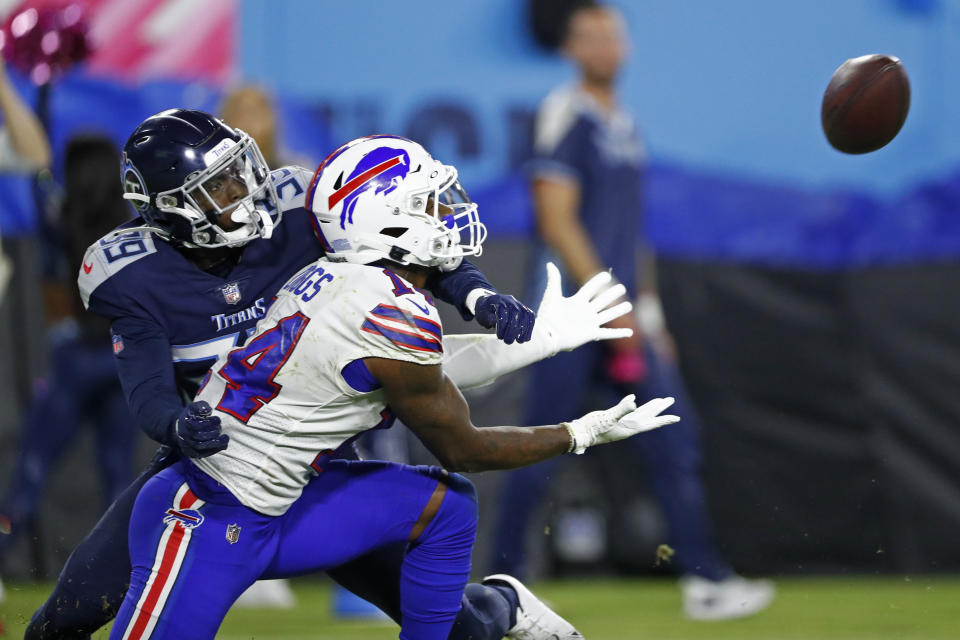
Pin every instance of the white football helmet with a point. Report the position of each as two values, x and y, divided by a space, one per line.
385 197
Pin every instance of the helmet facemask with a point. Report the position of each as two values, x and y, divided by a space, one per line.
231 162
454 230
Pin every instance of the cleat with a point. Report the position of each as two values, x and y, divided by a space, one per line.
734 597
535 620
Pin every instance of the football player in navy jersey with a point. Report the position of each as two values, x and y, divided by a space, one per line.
187 280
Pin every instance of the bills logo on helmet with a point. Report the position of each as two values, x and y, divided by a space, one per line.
188 518
381 169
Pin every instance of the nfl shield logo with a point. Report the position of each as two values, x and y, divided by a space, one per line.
231 292
233 533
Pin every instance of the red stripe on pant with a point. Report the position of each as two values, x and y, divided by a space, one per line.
172 547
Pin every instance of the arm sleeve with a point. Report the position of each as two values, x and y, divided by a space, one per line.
453 287
146 375
475 359
396 330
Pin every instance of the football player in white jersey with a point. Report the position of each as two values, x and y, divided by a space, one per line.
349 343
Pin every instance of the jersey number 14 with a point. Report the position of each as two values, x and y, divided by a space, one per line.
250 369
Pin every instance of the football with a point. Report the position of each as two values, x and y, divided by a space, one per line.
865 104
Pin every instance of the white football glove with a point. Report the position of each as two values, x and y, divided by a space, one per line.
617 423
562 324
566 323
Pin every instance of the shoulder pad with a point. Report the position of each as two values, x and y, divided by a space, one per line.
110 254
291 185
401 320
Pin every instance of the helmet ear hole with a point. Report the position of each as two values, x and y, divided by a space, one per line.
166 201
398 254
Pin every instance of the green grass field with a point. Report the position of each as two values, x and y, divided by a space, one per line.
811 609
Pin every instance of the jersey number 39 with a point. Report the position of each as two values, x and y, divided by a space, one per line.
250 369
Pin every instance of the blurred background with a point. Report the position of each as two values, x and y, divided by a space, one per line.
812 296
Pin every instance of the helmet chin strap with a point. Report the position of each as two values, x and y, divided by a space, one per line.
246 213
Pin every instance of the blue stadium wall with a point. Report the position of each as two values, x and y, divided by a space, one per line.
728 95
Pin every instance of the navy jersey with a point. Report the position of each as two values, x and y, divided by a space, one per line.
577 139
162 306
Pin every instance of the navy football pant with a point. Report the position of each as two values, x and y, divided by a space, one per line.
94 580
559 390
195 548
81 389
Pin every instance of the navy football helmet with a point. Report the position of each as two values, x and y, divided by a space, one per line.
177 166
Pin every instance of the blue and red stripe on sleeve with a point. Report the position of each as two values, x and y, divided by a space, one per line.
404 328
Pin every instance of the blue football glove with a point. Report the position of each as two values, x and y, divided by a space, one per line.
513 319
197 433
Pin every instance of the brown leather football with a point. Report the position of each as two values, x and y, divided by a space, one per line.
866 103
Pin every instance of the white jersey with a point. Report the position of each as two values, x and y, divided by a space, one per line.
291 395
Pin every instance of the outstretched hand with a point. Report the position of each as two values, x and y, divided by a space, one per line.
570 322
619 422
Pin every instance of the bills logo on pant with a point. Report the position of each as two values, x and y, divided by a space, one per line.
180 520
189 518
233 533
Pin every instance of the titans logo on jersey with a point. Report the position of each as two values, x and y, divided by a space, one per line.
137 275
